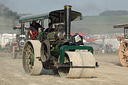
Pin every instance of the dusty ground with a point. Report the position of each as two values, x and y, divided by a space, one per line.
110 72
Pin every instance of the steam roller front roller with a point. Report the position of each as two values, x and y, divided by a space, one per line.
83 65
31 57
123 53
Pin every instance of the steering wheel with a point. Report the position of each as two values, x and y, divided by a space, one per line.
34 35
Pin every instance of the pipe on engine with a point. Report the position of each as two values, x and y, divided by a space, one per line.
22 28
67 21
22 35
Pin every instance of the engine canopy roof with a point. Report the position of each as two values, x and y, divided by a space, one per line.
57 16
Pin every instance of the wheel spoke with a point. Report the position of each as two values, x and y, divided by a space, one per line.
124 45
122 51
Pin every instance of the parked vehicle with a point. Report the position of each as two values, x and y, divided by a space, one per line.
123 49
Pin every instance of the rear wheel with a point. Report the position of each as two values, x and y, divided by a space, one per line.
45 54
45 51
31 57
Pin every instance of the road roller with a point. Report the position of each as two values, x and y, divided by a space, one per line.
64 54
123 49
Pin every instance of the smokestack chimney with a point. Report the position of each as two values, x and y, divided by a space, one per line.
67 9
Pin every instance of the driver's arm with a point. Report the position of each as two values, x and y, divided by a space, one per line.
31 32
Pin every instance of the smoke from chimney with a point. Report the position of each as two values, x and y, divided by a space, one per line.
8 13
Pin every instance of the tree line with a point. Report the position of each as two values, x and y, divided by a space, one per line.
113 13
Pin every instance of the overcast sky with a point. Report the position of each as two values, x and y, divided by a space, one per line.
87 7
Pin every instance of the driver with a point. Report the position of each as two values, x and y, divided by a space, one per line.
34 27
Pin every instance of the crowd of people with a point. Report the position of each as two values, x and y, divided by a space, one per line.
104 47
107 49
100 48
105 35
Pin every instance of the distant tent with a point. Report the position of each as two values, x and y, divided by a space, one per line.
90 40
82 34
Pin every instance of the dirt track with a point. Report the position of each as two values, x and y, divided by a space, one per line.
110 72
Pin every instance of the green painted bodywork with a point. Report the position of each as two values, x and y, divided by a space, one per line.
51 36
56 50
63 48
41 33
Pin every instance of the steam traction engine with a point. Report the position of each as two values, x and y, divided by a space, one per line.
123 49
18 43
56 50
